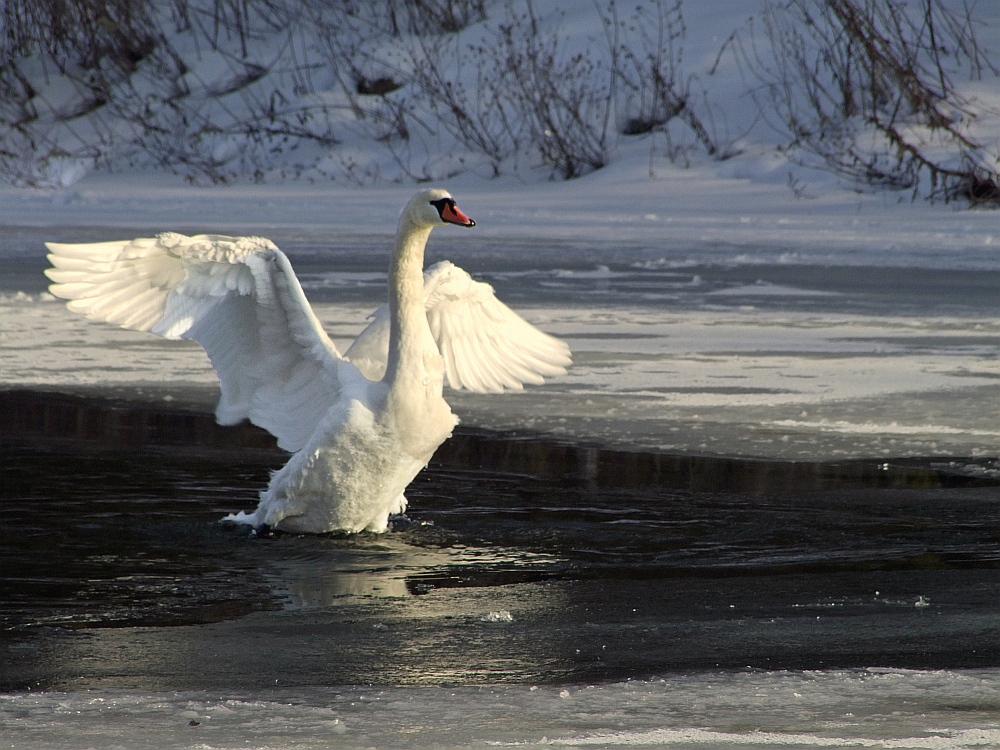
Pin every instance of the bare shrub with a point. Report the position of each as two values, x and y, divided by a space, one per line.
439 16
85 48
350 32
234 124
127 87
869 86
564 101
526 94
646 56
89 34
483 118
400 17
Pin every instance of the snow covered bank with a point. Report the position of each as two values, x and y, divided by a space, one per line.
402 90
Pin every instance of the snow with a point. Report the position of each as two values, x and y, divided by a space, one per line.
876 708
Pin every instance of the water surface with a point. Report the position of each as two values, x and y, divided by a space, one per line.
120 574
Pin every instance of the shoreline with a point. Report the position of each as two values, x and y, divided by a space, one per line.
97 421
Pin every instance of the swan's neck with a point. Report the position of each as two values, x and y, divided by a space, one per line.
409 334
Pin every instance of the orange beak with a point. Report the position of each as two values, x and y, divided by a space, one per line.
453 215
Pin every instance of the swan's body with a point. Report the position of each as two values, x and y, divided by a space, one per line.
357 441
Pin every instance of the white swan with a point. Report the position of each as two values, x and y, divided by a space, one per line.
357 441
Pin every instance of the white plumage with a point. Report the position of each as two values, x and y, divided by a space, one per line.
361 425
237 297
487 347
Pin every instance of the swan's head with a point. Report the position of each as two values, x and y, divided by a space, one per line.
435 208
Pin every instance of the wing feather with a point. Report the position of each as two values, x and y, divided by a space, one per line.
96 252
464 364
504 350
501 371
486 346
477 348
144 311
112 300
236 296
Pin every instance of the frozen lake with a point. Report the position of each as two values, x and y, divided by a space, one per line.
716 350
790 537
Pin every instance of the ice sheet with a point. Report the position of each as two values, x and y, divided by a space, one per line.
799 385
733 218
935 710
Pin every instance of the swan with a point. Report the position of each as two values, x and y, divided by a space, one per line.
359 426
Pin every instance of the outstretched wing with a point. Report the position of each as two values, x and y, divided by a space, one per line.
236 296
486 346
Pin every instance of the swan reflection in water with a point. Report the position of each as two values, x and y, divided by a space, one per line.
310 576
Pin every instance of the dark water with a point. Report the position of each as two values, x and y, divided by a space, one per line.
579 566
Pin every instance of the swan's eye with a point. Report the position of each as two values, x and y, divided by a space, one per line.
440 205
